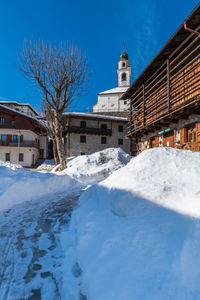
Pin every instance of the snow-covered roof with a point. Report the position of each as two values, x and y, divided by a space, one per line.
117 90
96 116
41 122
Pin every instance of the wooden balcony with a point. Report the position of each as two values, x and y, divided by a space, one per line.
88 130
26 144
168 89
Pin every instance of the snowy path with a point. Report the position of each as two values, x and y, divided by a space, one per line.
30 250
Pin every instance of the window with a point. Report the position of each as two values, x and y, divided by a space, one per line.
21 156
195 137
3 138
82 153
104 127
123 76
12 122
15 138
7 156
2 121
83 124
82 139
120 141
125 102
120 128
103 140
124 64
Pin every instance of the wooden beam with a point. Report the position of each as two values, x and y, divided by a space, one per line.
164 123
168 84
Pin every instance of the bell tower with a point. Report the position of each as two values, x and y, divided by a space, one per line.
124 70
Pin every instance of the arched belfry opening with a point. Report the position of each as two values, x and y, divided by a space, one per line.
123 76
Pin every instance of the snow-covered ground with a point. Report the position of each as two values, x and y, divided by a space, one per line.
10 165
136 235
47 165
31 254
35 210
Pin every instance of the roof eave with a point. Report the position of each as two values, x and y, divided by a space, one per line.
128 93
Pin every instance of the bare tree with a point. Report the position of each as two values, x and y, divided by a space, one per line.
61 73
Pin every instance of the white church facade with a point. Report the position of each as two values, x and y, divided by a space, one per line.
109 101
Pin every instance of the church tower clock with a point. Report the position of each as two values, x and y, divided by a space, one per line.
124 70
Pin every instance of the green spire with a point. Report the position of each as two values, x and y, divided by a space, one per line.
124 55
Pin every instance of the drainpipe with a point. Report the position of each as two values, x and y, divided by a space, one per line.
191 30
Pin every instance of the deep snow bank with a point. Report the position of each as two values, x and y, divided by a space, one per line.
17 186
166 176
127 245
95 167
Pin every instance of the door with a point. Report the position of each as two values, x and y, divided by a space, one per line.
192 134
168 139
33 159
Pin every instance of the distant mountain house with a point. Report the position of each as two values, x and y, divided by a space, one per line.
23 138
109 101
22 107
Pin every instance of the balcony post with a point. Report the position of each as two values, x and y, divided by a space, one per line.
18 146
168 84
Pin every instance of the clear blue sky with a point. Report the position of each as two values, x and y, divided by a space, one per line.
99 28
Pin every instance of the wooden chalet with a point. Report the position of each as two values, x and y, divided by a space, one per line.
165 98
12 119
